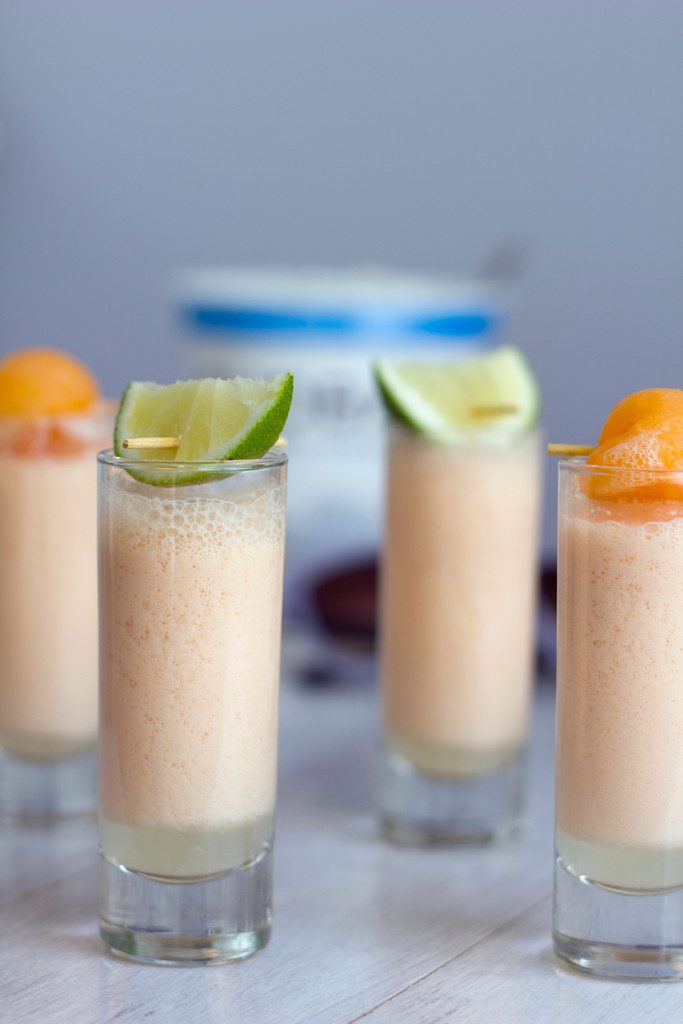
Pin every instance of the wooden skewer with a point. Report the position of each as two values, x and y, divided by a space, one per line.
147 443
570 449
493 410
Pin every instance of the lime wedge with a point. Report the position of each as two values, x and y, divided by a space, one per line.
493 392
215 420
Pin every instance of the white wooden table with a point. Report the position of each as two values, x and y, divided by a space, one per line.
362 931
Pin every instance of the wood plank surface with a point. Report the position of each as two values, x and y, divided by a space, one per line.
362 930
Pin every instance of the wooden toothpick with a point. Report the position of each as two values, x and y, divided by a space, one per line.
570 449
151 443
494 410
162 443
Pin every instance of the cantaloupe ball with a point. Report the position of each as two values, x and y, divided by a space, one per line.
44 382
643 432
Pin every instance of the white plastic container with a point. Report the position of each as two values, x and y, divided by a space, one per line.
327 326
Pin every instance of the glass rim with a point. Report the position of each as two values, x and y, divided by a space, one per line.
271 460
577 464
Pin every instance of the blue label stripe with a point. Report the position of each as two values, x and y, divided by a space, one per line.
220 319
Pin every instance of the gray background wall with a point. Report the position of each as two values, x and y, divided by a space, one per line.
141 135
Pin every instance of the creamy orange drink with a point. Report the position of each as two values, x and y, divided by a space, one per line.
619 805
52 423
191 549
458 605
191 614
458 596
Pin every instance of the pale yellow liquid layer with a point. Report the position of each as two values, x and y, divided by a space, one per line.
619 798
44 748
191 612
48 604
630 869
452 762
184 853
458 599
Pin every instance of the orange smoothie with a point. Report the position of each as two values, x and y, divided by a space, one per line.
458 601
620 699
48 552
191 604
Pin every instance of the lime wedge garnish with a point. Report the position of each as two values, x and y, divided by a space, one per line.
215 420
494 392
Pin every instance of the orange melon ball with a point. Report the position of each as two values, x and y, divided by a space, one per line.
659 404
44 382
643 431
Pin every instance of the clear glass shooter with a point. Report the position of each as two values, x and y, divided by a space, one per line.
458 599
190 621
618 908
48 614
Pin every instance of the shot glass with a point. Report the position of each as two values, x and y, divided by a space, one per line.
48 614
618 908
458 596
190 622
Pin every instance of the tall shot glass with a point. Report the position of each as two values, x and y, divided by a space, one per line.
458 595
190 622
48 614
618 908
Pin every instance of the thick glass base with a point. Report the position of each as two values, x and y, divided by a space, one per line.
417 809
206 921
635 936
47 789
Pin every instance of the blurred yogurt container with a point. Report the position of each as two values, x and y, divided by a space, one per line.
327 325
